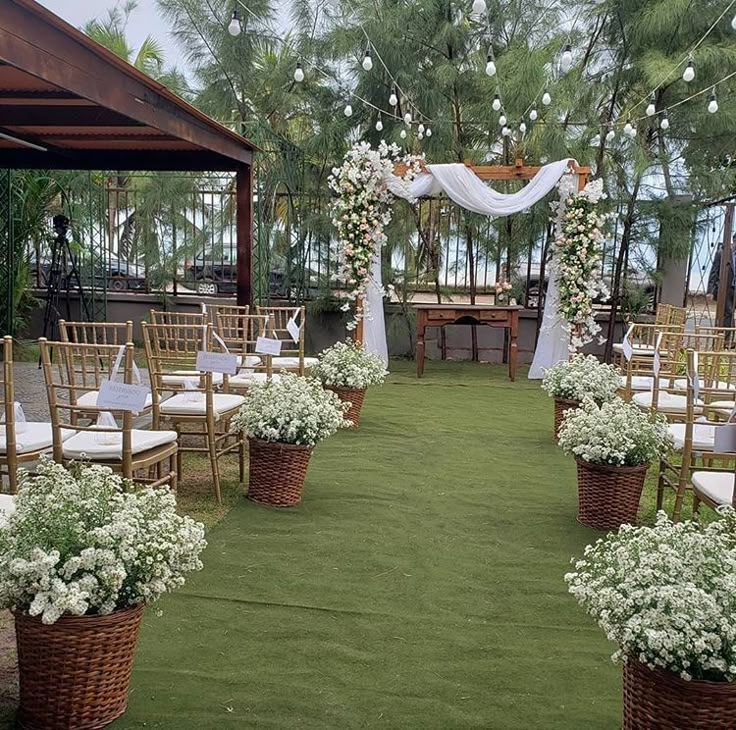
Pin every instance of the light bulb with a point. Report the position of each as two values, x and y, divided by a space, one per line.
566 59
393 100
628 129
407 118
299 74
496 106
490 67
505 131
420 129
610 136
689 73
379 125
733 22
428 133
546 98
235 27
479 7
651 109
664 122
367 61
348 110
420 135
632 134
533 115
712 104
403 134
502 120
522 128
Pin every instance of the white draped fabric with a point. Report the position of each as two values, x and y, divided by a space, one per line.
466 189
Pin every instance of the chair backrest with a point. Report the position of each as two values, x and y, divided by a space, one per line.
231 309
729 334
81 371
281 317
7 393
668 314
240 332
96 333
176 318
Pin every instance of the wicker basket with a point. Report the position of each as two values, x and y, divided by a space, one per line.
277 472
75 673
354 396
662 700
561 406
608 496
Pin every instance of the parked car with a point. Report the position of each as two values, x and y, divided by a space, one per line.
117 274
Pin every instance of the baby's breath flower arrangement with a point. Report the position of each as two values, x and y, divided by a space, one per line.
616 433
291 410
666 595
348 365
580 377
84 541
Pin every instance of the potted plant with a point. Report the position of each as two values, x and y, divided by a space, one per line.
80 557
284 420
666 595
348 370
613 445
570 381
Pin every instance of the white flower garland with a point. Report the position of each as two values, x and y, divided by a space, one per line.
577 258
361 212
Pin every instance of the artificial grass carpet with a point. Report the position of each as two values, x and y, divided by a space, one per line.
419 585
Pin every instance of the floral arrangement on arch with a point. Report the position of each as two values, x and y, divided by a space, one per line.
362 210
84 541
666 595
577 254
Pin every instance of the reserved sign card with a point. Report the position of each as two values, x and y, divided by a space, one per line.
217 362
122 397
293 329
268 346
724 441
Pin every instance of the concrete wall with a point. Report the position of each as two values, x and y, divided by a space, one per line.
326 328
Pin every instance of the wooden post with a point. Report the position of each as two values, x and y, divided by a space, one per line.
244 234
726 254
359 330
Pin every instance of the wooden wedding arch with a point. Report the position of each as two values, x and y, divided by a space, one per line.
517 171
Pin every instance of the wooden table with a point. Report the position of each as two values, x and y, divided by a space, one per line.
439 315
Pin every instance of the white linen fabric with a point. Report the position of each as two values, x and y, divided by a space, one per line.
292 362
183 404
717 485
35 437
245 380
90 399
86 445
466 189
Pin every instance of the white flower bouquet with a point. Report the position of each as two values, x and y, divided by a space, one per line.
580 377
85 541
291 410
348 365
614 434
666 595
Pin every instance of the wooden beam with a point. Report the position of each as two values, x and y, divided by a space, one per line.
244 234
43 115
726 262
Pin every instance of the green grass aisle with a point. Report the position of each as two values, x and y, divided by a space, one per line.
419 585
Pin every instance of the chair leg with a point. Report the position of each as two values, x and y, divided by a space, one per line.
173 482
241 457
685 472
660 485
212 444
179 452
696 504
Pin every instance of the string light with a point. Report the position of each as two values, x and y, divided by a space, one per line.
533 115
496 105
546 98
479 8
367 60
651 108
664 123
566 59
428 133
420 135
379 124
733 22
393 99
629 130
689 73
420 129
235 27
403 134
522 128
348 110
299 73
490 66
502 120
407 118
713 102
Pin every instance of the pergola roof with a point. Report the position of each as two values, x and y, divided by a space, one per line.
67 102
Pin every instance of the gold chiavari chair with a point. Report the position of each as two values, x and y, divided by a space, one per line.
232 309
96 333
21 442
637 371
131 452
239 333
729 334
292 356
642 338
170 351
160 317
670 315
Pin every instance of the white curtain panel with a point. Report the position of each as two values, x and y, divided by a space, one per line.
465 188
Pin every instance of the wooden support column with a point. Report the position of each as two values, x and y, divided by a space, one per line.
726 254
244 226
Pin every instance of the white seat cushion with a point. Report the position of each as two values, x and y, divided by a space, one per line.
642 382
717 485
666 402
90 399
703 436
7 507
195 404
722 407
180 377
638 349
35 437
87 444
249 361
243 380
681 384
292 362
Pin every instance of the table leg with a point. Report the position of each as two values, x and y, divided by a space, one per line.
420 348
513 351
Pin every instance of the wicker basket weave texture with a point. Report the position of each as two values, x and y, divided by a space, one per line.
75 673
662 700
608 496
561 407
354 396
277 472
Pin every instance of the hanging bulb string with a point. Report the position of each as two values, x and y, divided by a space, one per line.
685 58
